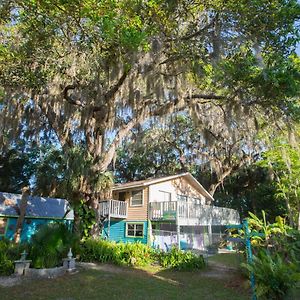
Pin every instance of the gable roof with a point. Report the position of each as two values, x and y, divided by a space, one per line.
150 181
37 207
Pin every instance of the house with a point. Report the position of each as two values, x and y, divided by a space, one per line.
164 211
39 211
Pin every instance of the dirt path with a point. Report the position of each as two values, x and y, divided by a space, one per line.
218 270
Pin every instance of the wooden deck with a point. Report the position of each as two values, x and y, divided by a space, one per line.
113 209
189 213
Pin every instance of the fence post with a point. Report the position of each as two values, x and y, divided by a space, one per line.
249 256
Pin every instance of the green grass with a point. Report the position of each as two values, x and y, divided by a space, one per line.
232 260
127 284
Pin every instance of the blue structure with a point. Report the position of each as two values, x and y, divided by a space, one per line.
118 231
39 211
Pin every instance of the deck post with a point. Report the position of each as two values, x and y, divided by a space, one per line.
210 237
108 226
177 225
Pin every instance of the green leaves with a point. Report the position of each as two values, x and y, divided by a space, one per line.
274 277
128 254
87 217
138 254
275 266
50 244
181 260
284 162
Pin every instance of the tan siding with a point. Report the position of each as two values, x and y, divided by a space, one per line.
183 187
135 213
179 186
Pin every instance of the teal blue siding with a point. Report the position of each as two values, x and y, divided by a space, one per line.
118 231
30 226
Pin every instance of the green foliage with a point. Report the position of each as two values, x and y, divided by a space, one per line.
87 218
130 254
181 260
9 252
50 244
251 188
283 160
138 254
276 264
17 168
6 263
274 277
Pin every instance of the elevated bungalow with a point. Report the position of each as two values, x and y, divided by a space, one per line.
144 210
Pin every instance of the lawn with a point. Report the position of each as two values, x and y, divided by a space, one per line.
232 260
124 283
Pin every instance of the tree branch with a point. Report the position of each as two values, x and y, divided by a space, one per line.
69 98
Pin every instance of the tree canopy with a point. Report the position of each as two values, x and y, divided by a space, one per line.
85 73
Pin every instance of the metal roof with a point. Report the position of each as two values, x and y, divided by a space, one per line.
37 207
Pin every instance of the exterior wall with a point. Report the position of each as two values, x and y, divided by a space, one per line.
176 187
118 231
29 228
137 213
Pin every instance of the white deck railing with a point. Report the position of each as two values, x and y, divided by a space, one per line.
200 214
113 208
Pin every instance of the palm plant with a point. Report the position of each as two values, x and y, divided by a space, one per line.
50 244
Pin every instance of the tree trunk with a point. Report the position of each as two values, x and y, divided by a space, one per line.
23 206
213 187
76 223
94 204
253 204
288 207
298 225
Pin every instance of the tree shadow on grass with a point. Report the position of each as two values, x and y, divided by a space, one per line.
100 281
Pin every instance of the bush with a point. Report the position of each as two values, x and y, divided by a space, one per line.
9 252
274 277
97 251
6 264
179 260
50 244
135 254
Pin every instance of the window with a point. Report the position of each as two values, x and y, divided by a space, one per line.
135 230
122 196
3 223
165 196
182 198
197 200
136 198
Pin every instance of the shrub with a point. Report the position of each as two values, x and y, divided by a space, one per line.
50 244
97 251
179 260
274 277
6 264
9 252
135 254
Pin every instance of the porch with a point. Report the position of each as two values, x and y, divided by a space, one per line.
113 209
189 213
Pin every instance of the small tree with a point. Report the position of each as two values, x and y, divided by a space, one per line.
22 213
284 161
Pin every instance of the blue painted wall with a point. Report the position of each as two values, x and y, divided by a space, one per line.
30 226
118 231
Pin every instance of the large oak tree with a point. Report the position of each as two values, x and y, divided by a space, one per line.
87 72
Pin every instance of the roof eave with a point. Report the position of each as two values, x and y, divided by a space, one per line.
205 192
